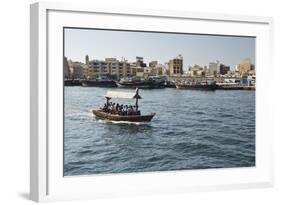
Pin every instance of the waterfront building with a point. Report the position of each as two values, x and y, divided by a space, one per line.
233 74
66 70
252 73
137 68
245 66
176 66
197 70
214 68
224 69
159 69
139 61
139 71
110 67
149 71
152 64
236 68
77 70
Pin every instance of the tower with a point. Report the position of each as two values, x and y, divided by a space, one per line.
87 60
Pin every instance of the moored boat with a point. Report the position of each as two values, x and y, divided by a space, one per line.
229 86
208 85
72 82
135 82
98 83
169 84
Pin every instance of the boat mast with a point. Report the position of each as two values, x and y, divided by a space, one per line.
107 101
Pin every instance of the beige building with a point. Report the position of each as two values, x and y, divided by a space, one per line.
214 68
176 66
197 70
245 67
152 64
110 67
158 70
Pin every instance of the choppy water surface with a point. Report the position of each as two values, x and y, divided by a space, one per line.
191 130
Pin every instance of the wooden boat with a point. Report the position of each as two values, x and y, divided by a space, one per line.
99 83
197 85
137 117
136 82
229 86
126 118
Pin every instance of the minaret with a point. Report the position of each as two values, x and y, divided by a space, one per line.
87 60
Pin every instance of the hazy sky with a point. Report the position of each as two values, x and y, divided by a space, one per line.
195 49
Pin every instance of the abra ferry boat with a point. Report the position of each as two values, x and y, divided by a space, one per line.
106 114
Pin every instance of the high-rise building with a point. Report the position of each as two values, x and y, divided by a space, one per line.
176 66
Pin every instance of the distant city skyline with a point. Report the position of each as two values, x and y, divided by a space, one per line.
195 48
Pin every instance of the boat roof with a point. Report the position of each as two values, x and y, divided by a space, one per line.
125 95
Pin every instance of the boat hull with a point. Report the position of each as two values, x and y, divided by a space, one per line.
128 118
141 85
95 83
226 87
69 82
196 87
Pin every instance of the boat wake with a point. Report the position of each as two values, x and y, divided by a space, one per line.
122 122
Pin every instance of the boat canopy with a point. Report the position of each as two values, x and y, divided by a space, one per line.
126 95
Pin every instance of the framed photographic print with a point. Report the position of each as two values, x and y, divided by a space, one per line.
127 102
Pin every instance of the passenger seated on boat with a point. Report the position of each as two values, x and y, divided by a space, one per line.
125 110
111 109
130 110
135 111
121 111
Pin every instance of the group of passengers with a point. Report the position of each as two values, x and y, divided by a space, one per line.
113 108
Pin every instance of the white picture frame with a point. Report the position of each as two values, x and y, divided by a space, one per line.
46 179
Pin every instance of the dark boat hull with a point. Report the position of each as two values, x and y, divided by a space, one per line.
222 87
141 85
72 82
169 84
196 87
95 83
128 118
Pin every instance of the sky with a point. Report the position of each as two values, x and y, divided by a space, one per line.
195 49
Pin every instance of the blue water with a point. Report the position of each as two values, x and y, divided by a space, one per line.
191 130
